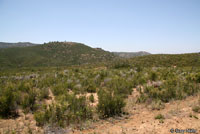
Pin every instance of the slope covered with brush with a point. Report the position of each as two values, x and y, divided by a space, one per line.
167 60
52 54
160 60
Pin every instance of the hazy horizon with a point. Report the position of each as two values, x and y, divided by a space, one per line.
118 26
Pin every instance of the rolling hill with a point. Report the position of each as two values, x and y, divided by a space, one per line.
167 60
158 60
52 54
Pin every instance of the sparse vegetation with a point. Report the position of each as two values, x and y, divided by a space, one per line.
109 104
57 95
8 96
159 117
69 109
196 109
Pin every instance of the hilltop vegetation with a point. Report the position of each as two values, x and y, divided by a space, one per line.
55 54
159 60
52 54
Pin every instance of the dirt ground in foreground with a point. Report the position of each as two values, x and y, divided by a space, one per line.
141 120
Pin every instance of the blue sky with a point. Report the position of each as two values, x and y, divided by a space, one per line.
156 26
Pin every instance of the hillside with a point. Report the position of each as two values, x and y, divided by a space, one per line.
158 60
52 54
130 54
144 94
167 60
19 44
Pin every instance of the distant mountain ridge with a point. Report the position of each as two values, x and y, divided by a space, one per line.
55 54
52 54
28 44
18 44
131 54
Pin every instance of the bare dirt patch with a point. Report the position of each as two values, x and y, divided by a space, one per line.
142 120
24 124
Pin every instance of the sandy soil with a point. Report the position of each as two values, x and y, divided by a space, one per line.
24 124
141 120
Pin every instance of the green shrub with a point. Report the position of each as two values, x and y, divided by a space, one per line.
44 93
91 88
143 97
109 104
53 115
197 78
78 109
121 64
24 87
40 118
91 98
172 88
120 86
153 76
159 117
139 69
28 101
59 89
69 109
103 74
8 100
